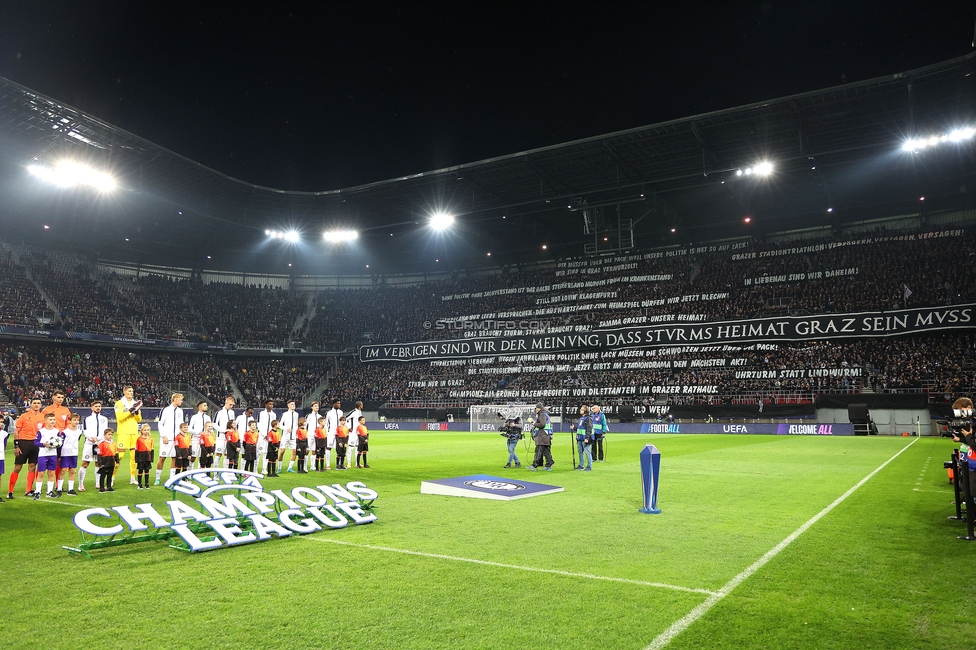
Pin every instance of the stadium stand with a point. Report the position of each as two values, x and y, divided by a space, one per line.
245 314
277 379
160 307
84 301
20 301
873 269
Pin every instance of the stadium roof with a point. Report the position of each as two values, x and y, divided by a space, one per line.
836 156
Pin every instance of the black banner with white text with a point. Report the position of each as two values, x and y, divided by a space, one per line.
767 330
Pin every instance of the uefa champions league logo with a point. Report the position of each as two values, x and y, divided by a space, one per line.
232 508
494 485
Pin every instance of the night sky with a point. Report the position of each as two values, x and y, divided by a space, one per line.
313 96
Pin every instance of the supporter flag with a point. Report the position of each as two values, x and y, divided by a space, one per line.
907 293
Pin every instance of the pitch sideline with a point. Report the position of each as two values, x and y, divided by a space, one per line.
569 574
684 622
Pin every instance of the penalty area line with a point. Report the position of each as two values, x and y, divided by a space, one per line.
683 623
568 574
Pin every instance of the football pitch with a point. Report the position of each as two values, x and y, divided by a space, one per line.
764 542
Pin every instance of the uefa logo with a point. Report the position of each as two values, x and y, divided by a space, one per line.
495 485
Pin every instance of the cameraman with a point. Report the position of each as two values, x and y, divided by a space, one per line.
542 435
512 431
964 407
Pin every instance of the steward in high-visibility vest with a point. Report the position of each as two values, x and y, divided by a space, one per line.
599 429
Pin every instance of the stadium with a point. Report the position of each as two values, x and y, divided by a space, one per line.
697 383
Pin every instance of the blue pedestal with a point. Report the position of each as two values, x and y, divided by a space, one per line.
650 460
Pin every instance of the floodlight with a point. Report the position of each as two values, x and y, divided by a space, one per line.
441 220
69 174
765 168
738 172
292 236
955 135
339 236
267 232
748 219
961 134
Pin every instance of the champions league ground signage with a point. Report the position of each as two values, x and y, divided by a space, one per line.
483 486
767 330
232 508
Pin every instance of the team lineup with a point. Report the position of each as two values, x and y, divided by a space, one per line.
56 445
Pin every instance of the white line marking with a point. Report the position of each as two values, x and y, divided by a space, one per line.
569 574
683 623
64 503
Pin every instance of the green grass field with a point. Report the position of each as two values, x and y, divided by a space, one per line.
577 569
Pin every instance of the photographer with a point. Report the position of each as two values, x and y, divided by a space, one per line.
512 431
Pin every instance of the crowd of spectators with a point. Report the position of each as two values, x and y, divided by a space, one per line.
201 371
896 273
160 307
270 378
938 364
237 313
85 304
883 275
20 301
943 365
87 373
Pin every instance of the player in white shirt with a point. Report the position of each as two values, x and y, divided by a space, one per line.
244 420
69 453
311 421
220 421
48 440
332 418
95 425
352 422
265 418
170 420
197 424
289 426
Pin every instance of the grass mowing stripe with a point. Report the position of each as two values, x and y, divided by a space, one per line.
569 574
683 623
